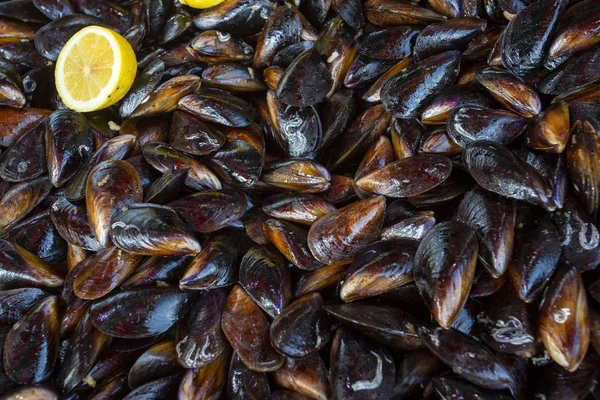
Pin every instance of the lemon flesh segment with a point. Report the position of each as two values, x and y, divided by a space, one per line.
201 3
95 69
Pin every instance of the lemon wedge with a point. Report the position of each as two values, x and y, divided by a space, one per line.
95 69
201 3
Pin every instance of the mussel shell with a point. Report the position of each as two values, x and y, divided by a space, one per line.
111 185
493 219
164 388
344 233
214 267
379 268
72 224
214 46
387 325
469 124
210 211
392 43
445 387
166 188
213 105
265 275
281 29
139 313
15 302
152 230
21 198
247 330
291 241
147 80
240 17
463 353
200 339
353 360
233 77
26 158
302 327
437 112
238 163
392 13
511 91
157 362
499 170
527 36
113 15
157 270
336 113
454 34
551 129
306 376
299 175
31 347
305 82
165 97
20 268
206 382
583 161
244 383
573 74
300 208
50 39
577 31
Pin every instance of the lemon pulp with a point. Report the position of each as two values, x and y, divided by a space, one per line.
201 3
95 69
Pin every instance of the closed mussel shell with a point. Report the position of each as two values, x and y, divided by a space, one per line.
234 77
493 219
438 141
305 82
551 129
152 230
15 302
344 233
437 112
199 339
215 47
511 91
144 84
583 161
414 371
391 13
20 268
407 135
139 313
405 94
352 362
165 97
265 275
31 346
392 43
38 235
454 34
291 241
163 388
21 198
463 353
26 158
247 330
303 209
302 327
157 270
306 376
388 325
72 224
157 362
111 186
413 228
472 123
380 267
50 39
206 382
211 210
166 188
445 268
218 106
564 321
551 167
407 177
244 383
299 175
573 74
281 29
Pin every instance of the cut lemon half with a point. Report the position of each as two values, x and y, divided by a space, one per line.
201 3
95 69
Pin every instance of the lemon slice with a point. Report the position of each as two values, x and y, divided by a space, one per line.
95 69
201 3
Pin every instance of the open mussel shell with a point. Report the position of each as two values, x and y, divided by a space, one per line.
528 35
212 210
344 233
353 360
110 186
247 330
499 170
31 346
139 313
265 275
407 177
152 230
405 94
302 328
469 124
454 34
463 353
199 339
379 268
444 269
493 219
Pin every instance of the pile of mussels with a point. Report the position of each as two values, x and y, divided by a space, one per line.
305 199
